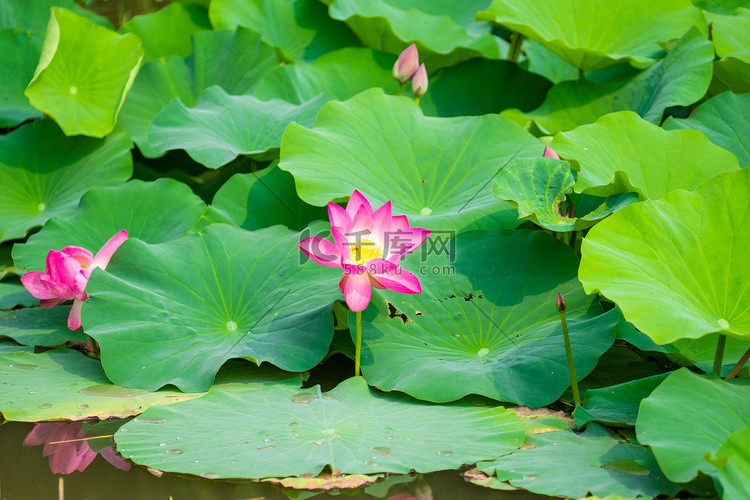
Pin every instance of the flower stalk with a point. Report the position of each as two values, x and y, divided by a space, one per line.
358 345
719 358
561 304
739 365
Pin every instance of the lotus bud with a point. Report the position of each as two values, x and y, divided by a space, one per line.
406 64
560 302
548 153
419 81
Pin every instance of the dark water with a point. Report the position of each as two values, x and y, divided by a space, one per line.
25 475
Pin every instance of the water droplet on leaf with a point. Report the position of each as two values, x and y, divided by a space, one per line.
303 397
380 450
22 366
626 467
175 452
445 453
45 406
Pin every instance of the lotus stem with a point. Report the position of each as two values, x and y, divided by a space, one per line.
358 348
516 40
416 99
719 355
581 76
561 304
400 88
739 365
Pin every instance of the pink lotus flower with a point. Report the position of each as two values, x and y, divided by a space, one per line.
406 64
548 153
68 271
368 246
67 448
419 81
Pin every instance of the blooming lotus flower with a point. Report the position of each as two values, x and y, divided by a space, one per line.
419 81
74 452
548 153
368 246
406 64
68 271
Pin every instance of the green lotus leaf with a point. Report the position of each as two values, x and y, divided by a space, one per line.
261 199
734 465
342 73
485 324
623 153
675 266
720 6
167 31
546 63
437 171
730 74
569 464
221 126
65 384
154 212
235 60
283 431
84 73
681 78
482 86
300 29
731 34
566 27
43 173
681 438
445 32
538 187
616 405
21 51
725 120
39 326
175 312
9 346
14 294
30 16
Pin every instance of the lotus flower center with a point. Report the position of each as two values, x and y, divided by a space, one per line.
364 252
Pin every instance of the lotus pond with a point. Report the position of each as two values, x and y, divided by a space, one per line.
375 248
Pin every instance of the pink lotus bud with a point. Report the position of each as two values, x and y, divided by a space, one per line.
406 64
548 153
560 302
419 81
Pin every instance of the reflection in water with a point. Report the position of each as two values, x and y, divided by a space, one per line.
25 474
68 448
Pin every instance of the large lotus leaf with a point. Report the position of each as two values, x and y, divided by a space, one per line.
720 6
65 384
566 26
681 78
13 294
342 73
221 126
731 34
39 326
29 16
482 86
486 323
437 171
21 50
235 60
300 29
43 173
733 461
9 346
725 120
538 187
175 312
688 416
546 63
618 404
282 432
84 73
730 74
677 266
623 153
444 31
569 464
261 199
154 212
167 31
